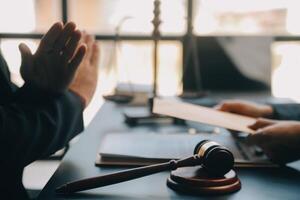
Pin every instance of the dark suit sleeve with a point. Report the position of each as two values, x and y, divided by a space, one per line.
36 124
286 111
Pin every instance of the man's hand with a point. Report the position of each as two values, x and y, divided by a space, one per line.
55 62
262 123
85 81
280 140
245 108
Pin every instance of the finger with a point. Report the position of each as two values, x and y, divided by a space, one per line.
82 39
25 52
83 36
95 55
89 40
73 65
71 46
218 107
261 123
26 62
230 106
65 35
223 105
50 37
264 135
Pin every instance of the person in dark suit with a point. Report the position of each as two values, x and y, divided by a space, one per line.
44 114
277 127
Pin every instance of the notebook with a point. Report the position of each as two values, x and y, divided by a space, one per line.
139 149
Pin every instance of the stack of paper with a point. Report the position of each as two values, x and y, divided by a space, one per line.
202 114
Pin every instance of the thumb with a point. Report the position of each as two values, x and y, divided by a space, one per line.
26 56
25 52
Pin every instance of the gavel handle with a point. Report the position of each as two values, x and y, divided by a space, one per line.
114 178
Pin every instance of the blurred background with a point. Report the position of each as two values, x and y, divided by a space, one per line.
238 45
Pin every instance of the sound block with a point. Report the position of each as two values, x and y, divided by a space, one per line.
195 180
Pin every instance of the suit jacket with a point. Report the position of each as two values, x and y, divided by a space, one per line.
286 111
33 124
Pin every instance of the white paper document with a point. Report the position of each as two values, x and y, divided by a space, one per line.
202 114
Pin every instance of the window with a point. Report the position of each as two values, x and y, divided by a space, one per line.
285 69
250 17
130 59
131 16
32 15
121 61
10 51
133 62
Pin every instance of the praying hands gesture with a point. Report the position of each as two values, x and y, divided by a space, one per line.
65 59
53 66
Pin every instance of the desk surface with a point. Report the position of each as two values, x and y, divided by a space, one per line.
78 163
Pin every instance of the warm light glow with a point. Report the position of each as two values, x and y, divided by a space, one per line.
17 16
141 11
170 70
247 17
292 19
286 70
134 63
103 16
243 6
133 60
173 16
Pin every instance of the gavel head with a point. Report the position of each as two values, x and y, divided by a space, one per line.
216 159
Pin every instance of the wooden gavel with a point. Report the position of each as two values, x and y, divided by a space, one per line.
214 158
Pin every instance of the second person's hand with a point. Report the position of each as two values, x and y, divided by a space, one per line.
280 140
246 108
85 81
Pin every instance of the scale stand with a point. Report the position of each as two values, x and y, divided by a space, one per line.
134 118
191 57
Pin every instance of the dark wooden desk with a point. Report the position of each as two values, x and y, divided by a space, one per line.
78 163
